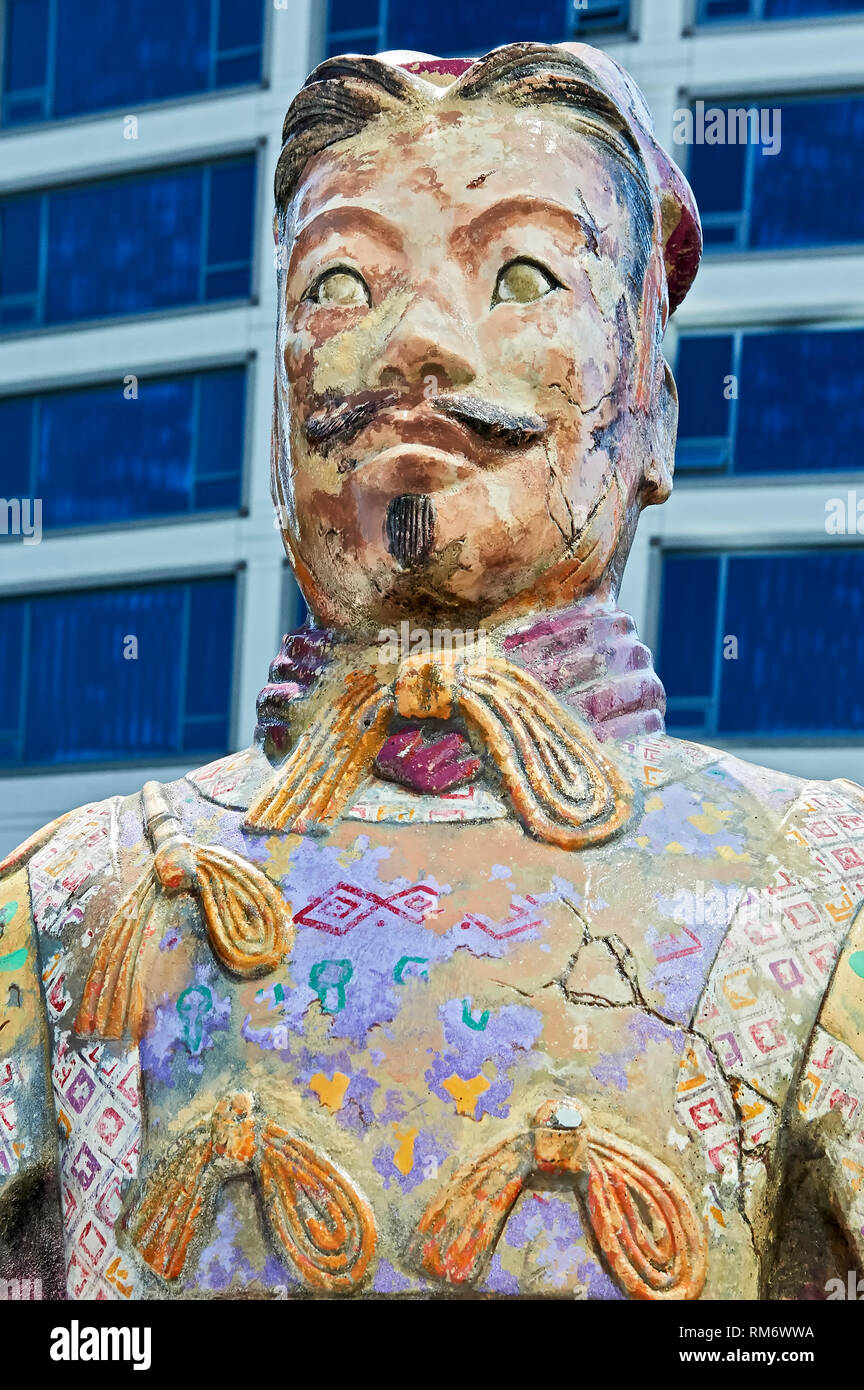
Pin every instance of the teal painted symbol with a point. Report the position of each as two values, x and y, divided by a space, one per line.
193 1006
330 990
400 966
478 1024
14 960
278 993
7 912
856 960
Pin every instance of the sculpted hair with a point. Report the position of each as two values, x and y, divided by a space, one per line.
345 95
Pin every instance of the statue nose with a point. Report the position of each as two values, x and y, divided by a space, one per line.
430 340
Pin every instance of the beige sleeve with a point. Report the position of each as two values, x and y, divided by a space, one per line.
830 1098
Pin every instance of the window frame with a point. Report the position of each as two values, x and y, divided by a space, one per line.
204 161
706 548
192 367
703 475
759 97
571 27
157 103
28 591
700 23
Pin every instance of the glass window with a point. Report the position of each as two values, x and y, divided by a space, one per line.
127 246
804 193
139 672
762 403
763 645
715 11
165 446
371 26
75 57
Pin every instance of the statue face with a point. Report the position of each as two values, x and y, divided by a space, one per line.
455 365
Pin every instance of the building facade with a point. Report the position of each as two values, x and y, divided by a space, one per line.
137 312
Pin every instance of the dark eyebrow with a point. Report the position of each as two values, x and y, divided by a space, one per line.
349 217
482 224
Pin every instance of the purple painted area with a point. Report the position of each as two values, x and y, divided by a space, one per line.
491 1102
642 1028
686 949
222 1263
671 823
431 768
389 1280
363 948
166 1045
498 1280
428 1157
600 1285
611 1071
550 1229
591 657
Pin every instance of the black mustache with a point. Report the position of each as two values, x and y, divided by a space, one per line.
489 420
340 421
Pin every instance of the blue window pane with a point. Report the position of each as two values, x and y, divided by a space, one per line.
100 458
226 284
26 44
717 175
19 246
800 667
801 404
363 43
717 10
16 432
725 9
799 407
688 640
159 50
109 708
222 402
809 194
797 9
13 617
352 14
804 194
107 56
232 196
211 638
239 71
600 16
216 495
124 247
474 28
128 246
239 24
702 369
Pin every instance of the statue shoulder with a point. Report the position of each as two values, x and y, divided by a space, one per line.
68 860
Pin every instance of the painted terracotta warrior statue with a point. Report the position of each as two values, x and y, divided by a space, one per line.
465 976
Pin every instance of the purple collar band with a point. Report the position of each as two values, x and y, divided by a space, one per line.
589 656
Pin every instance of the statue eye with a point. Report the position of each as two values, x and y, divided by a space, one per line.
340 288
521 282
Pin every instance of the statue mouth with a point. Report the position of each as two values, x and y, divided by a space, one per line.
410 529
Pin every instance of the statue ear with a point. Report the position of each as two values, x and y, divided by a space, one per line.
660 454
276 228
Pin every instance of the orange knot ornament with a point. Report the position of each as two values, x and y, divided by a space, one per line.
561 786
642 1218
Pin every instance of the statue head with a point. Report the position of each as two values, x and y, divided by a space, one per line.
477 263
